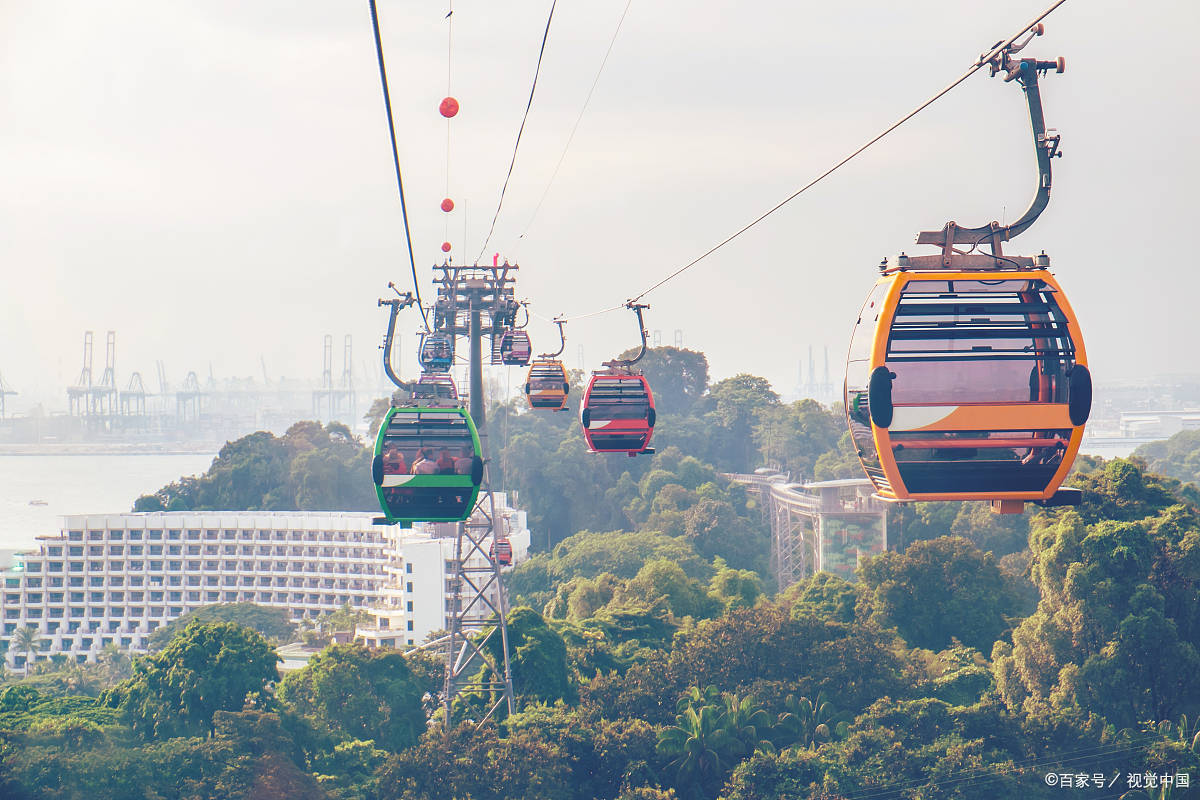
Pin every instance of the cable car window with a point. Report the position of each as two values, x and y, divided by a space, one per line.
618 398
427 444
1003 341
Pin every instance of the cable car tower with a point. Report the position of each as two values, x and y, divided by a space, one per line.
472 302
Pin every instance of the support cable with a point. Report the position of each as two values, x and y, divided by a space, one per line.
387 102
982 61
528 105
578 119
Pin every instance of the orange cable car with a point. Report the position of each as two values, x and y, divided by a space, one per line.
967 377
968 386
547 384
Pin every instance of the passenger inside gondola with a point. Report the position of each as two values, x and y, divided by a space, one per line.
464 461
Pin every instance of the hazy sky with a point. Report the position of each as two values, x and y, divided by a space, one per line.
213 180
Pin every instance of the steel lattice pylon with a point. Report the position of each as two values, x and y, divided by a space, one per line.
473 624
478 607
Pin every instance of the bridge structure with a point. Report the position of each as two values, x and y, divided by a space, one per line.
828 526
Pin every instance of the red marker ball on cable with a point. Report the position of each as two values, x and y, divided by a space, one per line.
445 247
447 205
449 107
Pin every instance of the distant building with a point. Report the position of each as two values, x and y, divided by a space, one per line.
116 578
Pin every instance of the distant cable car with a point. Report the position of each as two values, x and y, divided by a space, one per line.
501 551
428 465
618 407
547 385
966 377
435 389
515 348
437 351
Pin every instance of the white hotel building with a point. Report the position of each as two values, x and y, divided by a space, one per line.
115 578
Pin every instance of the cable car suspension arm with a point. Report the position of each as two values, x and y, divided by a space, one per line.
637 308
403 301
562 340
1025 71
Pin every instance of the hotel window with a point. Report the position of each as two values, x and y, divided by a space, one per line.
156 566
54 566
96 566
96 597
209 535
156 597
193 550
136 611
116 549
194 565
116 566
156 549
136 565
135 597
75 550
174 550
75 536
212 597
135 536
174 535
193 535
116 536
135 549
154 536
55 550
95 536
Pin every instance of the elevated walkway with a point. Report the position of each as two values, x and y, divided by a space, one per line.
823 526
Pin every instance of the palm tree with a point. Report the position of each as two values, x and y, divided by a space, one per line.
748 723
700 747
27 640
808 723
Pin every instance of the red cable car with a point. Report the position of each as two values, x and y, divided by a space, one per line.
501 551
618 407
618 413
515 348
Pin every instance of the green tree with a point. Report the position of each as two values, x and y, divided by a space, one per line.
678 377
208 667
936 591
733 406
359 694
1117 630
808 723
273 623
796 436
700 749
28 641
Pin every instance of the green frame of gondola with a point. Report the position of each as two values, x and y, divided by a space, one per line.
430 481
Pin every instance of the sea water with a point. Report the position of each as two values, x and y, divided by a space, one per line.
79 484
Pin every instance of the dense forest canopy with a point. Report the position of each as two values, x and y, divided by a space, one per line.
652 656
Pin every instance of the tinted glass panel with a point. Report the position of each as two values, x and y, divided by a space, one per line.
618 398
979 342
427 443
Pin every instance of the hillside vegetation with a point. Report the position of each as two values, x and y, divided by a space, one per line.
654 659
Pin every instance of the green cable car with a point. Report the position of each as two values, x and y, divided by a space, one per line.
428 465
